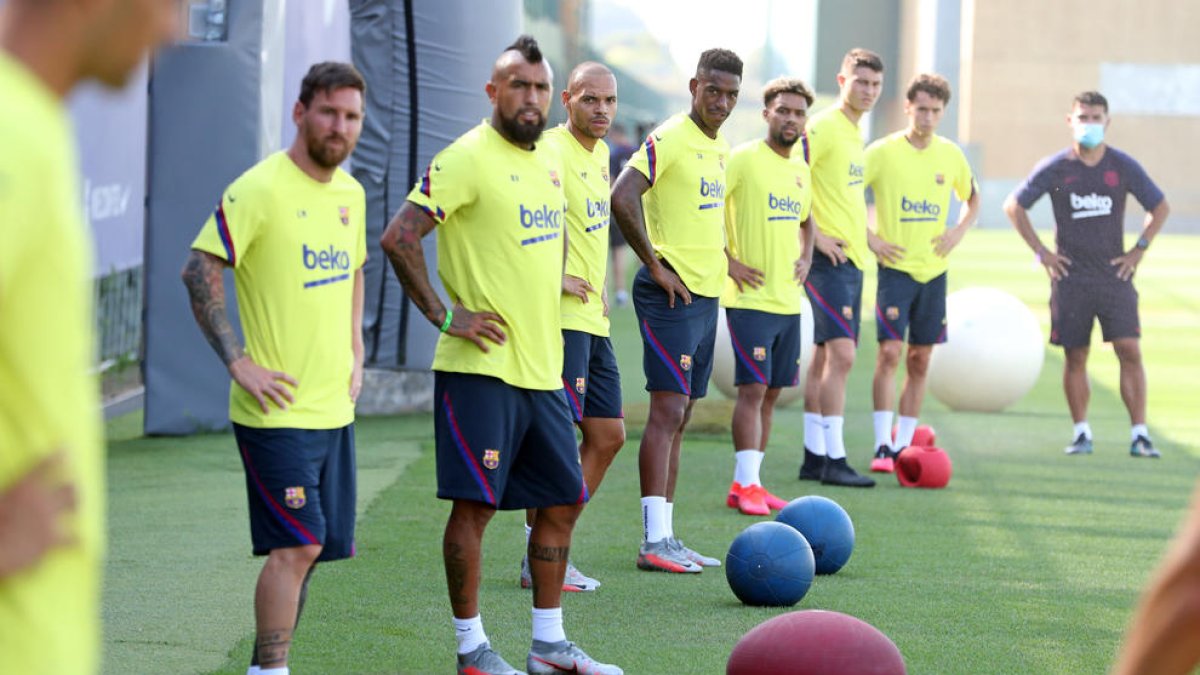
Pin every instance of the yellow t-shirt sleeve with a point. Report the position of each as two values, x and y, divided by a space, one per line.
232 227
361 223
733 181
871 157
652 158
439 193
964 181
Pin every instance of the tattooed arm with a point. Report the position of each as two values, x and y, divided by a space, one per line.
203 276
401 241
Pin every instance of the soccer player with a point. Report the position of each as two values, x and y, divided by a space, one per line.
589 377
679 177
293 228
1091 275
835 281
769 228
502 423
912 173
52 489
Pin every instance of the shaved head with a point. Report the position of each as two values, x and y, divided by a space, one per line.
520 91
583 72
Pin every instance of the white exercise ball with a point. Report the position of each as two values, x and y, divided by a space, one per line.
723 358
993 354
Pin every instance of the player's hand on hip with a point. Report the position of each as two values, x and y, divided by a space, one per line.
744 275
946 241
478 327
671 283
831 247
573 285
263 384
800 271
1127 264
356 381
886 251
1056 264
31 515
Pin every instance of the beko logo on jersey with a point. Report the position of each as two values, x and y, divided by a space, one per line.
714 189
782 204
326 259
922 208
597 209
543 218
1090 206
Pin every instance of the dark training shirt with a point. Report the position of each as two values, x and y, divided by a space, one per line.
1089 205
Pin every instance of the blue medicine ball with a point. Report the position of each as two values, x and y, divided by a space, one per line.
826 526
769 564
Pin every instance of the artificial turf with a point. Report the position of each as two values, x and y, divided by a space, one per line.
1029 561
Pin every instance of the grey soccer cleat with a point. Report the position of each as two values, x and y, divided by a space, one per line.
564 657
485 661
701 560
1142 447
1081 446
660 556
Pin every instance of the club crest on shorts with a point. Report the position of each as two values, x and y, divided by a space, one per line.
491 458
344 214
847 311
685 361
294 497
581 384
893 313
760 353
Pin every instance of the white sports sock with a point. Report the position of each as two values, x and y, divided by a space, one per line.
528 531
1082 428
654 518
274 671
906 427
469 633
547 625
669 511
814 433
883 427
835 446
1139 430
745 470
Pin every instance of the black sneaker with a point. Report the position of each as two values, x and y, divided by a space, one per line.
1142 447
838 472
813 466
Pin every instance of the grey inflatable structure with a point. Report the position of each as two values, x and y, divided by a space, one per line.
216 108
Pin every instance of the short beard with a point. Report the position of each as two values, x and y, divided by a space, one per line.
783 142
522 133
321 154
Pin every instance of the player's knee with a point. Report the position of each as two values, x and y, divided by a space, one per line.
917 361
1128 351
841 357
889 355
751 394
297 559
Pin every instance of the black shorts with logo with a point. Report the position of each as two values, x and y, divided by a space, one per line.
1075 304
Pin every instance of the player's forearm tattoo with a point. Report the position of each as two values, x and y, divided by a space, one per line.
627 211
456 573
203 276
273 646
407 256
548 553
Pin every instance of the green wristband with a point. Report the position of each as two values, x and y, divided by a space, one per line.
449 317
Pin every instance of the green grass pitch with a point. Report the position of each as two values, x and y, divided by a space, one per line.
1029 562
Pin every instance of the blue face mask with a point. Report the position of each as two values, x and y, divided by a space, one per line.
1089 135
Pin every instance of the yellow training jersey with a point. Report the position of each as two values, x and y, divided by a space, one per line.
685 204
585 184
766 200
49 398
499 210
835 149
912 197
295 245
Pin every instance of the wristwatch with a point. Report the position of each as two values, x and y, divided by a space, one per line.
1143 243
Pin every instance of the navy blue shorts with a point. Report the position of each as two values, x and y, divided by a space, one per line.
766 347
301 488
677 344
590 377
1076 304
836 296
905 304
505 446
